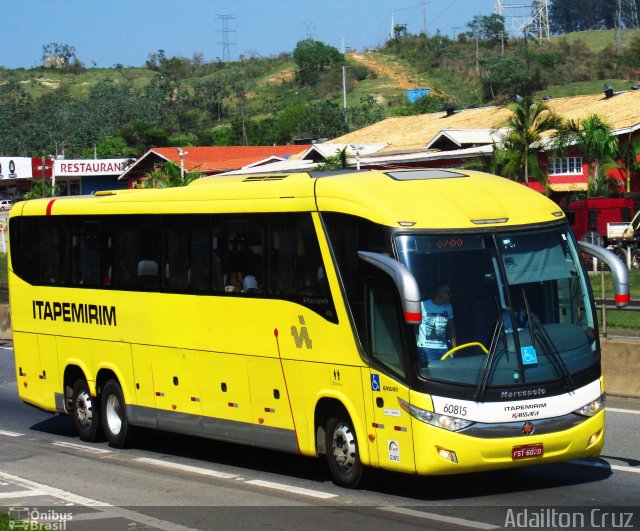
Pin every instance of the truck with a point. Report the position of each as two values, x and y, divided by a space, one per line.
610 222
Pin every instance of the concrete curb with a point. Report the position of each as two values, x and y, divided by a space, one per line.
620 360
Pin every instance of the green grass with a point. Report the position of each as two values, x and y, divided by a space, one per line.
617 319
4 522
597 40
37 82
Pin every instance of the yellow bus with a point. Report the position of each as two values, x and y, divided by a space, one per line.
296 312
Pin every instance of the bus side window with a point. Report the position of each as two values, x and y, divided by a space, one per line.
296 270
383 323
139 246
238 253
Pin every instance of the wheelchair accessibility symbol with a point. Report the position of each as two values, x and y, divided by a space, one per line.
375 382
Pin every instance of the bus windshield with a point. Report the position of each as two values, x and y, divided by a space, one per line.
505 309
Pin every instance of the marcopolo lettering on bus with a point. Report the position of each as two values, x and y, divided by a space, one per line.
72 312
524 393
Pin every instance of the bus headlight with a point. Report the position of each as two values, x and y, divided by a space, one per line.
446 422
592 407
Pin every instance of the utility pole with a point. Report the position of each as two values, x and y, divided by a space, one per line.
455 31
226 32
393 24
182 153
344 92
477 35
424 17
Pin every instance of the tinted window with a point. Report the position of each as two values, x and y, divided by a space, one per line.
260 255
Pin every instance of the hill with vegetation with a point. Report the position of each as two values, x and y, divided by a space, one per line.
122 111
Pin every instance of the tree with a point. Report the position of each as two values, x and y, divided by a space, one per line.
592 137
141 136
110 147
169 176
521 143
313 57
337 161
58 55
566 16
504 76
627 163
41 189
487 28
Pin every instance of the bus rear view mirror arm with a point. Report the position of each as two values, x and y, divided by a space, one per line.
403 279
619 271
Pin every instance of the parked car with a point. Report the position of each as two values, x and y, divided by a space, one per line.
5 204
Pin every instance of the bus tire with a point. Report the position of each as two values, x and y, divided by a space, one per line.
86 412
343 455
114 416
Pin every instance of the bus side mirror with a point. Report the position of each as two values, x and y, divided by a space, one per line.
619 271
404 281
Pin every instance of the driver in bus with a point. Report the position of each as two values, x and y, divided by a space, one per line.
436 325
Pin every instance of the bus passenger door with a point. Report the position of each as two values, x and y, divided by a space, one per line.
391 424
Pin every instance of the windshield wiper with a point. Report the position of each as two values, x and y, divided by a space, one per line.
485 373
546 343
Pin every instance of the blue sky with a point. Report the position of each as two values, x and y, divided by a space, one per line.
126 31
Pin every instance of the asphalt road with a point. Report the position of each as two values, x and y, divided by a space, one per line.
174 482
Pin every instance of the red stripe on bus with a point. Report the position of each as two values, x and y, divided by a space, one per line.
50 206
411 316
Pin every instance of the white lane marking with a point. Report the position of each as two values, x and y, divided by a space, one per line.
81 447
618 410
52 491
6 348
21 494
100 515
600 464
439 518
74 499
185 468
11 433
289 488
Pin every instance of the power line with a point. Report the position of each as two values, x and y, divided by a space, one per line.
226 32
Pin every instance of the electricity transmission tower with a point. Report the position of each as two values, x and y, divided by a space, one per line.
626 18
531 18
226 32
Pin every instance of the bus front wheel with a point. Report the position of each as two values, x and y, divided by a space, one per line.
86 412
114 416
342 452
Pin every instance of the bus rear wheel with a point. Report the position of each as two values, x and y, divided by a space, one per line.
86 412
114 416
343 455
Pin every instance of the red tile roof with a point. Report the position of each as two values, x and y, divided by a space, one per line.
225 158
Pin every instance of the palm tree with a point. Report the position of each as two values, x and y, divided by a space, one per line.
530 119
629 153
592 137
168 177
